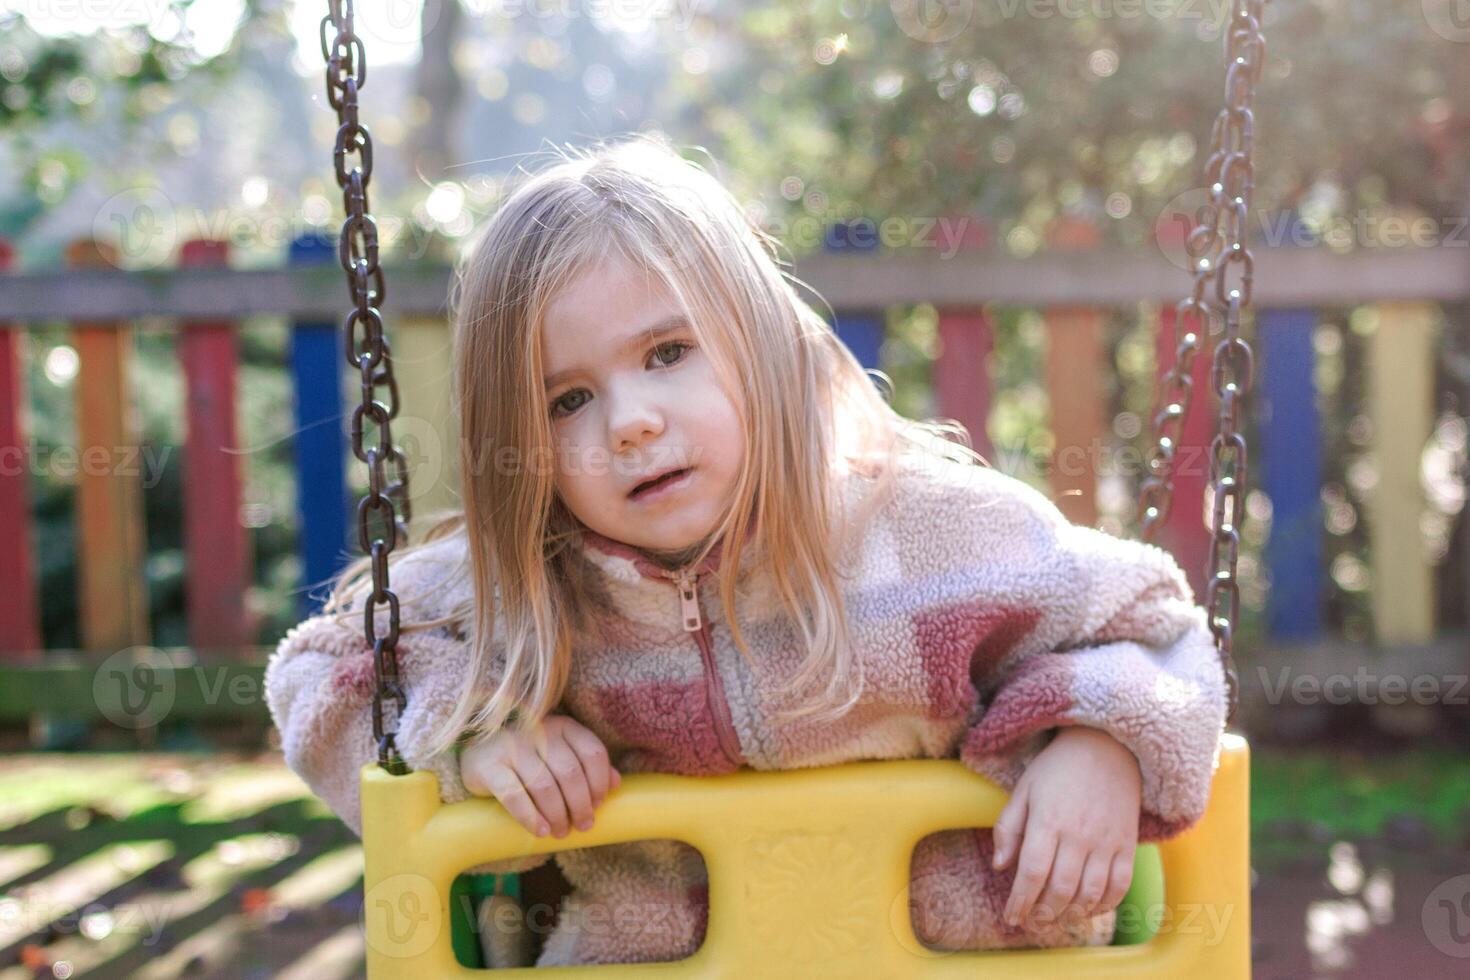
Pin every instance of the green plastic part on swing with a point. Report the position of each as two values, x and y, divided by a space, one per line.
1140 910
465 896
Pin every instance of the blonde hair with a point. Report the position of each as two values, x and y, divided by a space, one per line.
811 410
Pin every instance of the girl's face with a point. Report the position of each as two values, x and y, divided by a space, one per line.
629 397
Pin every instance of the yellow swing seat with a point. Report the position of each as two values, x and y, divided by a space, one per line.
808 873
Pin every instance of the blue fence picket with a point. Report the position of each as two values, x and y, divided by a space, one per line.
861 330
1291 449
317 357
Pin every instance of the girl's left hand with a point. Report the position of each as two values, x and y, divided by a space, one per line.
1073 819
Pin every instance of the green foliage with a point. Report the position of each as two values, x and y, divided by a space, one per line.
1354 795
110 81
1036 109
47 78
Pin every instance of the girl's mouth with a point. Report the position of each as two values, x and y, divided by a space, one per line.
667 483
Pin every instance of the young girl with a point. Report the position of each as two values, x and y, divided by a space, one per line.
695 537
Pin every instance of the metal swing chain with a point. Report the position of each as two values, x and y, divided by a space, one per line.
1218 242
357 252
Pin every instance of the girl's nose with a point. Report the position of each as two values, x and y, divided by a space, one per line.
633 420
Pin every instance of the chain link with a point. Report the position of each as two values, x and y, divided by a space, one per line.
1217 245
368 351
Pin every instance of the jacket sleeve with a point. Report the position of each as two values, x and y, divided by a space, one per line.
319 687
1111 638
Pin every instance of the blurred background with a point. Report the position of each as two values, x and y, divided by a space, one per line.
989 198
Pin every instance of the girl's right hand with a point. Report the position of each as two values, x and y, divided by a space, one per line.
550 777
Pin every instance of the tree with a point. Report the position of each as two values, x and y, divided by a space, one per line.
1032 109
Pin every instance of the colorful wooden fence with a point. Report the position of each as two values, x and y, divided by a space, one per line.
1287 455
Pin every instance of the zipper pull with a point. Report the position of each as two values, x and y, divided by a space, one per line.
688 600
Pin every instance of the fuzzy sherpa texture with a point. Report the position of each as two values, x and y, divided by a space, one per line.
983 621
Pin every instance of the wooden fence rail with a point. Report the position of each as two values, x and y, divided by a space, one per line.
1072 290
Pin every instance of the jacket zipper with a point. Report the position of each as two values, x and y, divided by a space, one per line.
688 585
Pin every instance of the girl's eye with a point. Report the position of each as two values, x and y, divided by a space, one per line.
569 403
560 406
679 345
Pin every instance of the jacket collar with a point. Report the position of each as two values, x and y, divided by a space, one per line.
641 589
628 563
